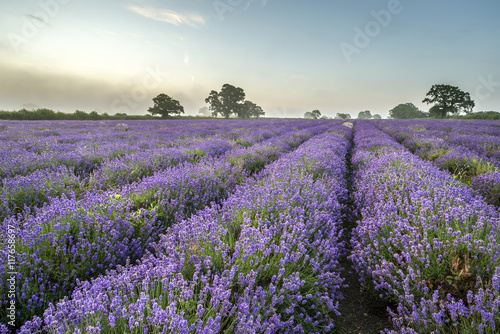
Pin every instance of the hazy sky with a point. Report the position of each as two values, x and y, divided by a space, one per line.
290 56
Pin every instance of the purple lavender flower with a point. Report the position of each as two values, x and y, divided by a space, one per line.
212 270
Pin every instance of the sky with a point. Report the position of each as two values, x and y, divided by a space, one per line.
289 56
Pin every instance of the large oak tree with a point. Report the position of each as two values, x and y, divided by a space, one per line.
230 100
250 109
448 99
164 105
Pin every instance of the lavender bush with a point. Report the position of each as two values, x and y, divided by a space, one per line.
235 226
78 238
267 260
453 149
488 186
425 243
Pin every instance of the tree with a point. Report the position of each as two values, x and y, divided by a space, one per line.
342 116
94 115
365 114
215 104
448 99
44 113
229 101
316 114
251 110
204 111
406 111
165 105
377 116
81 115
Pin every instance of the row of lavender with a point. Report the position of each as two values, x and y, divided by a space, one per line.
425 242
99 161
266 260
468 150
26 147
70 239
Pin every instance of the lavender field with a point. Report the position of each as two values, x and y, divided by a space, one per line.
248 226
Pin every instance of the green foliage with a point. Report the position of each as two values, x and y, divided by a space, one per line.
34 196
81 115
250 109
315 114
164 105
406 111
365 114
343 116
228 101
464 169
491 115
231 101
44 114
448 99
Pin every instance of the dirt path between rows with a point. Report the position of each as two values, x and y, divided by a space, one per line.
360 312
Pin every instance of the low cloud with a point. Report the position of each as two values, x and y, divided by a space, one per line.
168 16
33 87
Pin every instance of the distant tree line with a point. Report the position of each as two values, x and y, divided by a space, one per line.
230 101
445 99
342 116
368 115
490 115
44 114
315 114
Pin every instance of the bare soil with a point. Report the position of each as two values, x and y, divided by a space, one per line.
361 312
